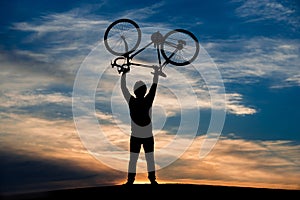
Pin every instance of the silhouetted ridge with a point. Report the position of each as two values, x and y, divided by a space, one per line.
155 191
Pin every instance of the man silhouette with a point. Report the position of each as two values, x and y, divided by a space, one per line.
140 108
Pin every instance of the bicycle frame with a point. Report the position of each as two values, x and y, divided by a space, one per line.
128 58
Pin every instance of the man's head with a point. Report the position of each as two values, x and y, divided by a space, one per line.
140 89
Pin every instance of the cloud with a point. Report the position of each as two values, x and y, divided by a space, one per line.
234 105
143 13
247 59
57 42
41 154
21 71
256 10
239 162
294 79
76 21
75 33
39 103
15 99
233 161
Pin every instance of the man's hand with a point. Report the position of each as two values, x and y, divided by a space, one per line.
126 69
156 69
158 72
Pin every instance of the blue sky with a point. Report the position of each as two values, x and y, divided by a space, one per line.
253 46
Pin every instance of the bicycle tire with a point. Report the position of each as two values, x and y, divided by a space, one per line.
184 52
122 33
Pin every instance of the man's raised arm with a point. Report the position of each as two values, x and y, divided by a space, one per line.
155 77
153 87
124 88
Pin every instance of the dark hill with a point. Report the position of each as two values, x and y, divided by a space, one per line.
157 191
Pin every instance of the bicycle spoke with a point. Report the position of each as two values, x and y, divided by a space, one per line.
121 33
118 39
185 44
117 44
171 44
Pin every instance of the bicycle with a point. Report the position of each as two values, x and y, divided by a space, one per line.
122 38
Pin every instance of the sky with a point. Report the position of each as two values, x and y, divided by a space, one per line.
229 118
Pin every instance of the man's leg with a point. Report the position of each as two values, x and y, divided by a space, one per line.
135 147
149 154
132 167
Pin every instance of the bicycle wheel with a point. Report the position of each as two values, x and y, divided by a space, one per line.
180 47
122 36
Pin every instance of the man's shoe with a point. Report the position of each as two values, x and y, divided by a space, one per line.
154 183
129 183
